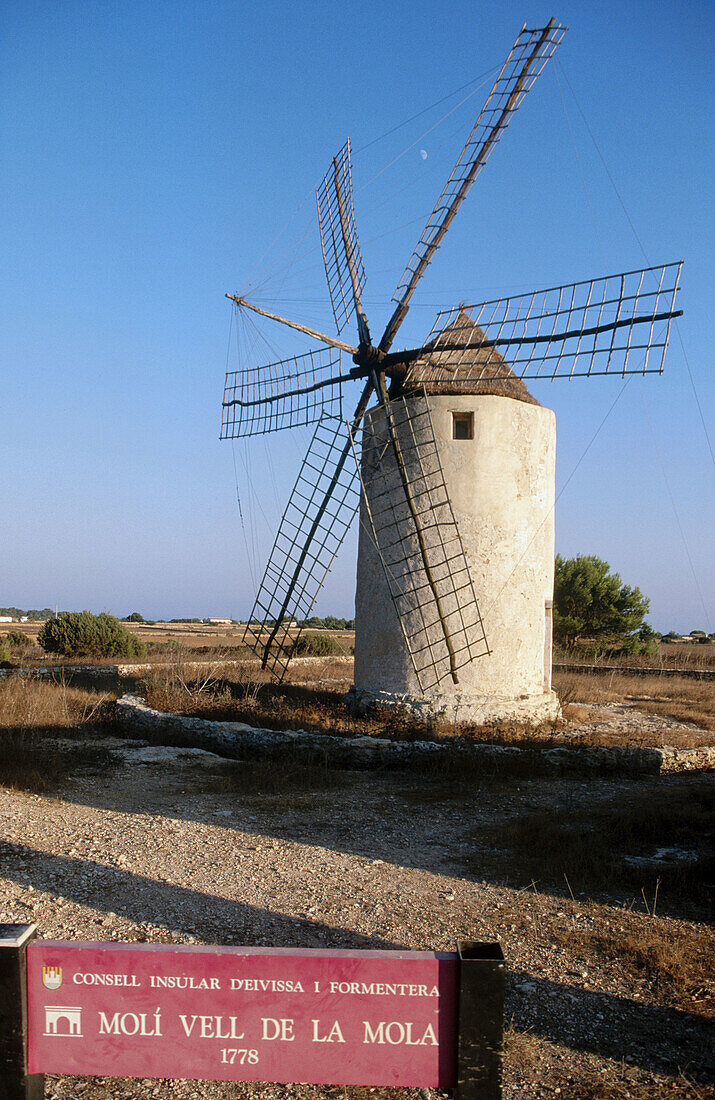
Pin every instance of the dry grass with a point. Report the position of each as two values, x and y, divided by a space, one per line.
678 963
27 702
611 845
228 691
31 762
522 1051
593 1085
676 697
33 715
527 1057
184 676
671 655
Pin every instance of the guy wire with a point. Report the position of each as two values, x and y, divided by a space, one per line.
675 510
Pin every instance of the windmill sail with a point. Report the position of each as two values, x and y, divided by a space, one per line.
618 324
527 58
338 237
418 542
285 394
321 508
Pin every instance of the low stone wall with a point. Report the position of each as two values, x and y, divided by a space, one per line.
238 740
689 673
298 662
42 672
134 671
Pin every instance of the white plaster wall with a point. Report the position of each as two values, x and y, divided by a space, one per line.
501 486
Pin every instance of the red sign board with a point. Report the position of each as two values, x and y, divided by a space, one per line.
243 1014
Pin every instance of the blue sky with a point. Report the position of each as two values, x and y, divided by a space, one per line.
151 154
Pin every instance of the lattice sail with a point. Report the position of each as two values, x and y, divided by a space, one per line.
291 392
340 248
321 508
527 58
436 614
619 324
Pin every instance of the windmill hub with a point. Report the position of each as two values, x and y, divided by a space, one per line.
369 359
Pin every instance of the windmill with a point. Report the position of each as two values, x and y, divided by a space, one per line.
452 468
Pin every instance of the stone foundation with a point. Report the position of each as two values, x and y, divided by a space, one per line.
466 708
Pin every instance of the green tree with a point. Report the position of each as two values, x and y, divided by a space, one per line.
82 634
592 602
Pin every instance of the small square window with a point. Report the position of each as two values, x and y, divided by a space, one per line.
462 425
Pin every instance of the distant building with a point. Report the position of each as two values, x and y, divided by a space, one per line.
220 622
5 618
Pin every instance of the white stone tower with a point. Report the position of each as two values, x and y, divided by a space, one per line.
497 446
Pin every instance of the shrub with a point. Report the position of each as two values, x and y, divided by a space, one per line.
316 645
82 634
17 640
4 652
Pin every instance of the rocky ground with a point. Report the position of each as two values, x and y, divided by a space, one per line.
176 845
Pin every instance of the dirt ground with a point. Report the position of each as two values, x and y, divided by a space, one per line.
607 984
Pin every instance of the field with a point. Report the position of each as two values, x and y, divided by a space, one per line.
163 639
597 887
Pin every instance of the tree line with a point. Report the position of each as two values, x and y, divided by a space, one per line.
591 604
32 616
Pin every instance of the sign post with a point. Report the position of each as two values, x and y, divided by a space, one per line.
15 1082
481 1020
205 1012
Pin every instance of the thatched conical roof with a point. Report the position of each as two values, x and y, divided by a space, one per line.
473 369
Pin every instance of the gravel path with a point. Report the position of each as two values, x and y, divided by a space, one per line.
160 848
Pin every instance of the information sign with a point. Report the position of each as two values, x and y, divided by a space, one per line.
243 1014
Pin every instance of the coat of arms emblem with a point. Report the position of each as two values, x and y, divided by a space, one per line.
52 976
